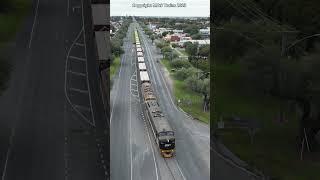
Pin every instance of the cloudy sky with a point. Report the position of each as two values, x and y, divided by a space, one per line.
195 8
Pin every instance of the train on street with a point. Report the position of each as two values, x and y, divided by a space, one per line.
161 129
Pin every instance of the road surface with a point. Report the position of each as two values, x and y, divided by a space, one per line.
43 135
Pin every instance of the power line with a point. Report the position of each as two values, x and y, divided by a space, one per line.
247 37
259 15
232 4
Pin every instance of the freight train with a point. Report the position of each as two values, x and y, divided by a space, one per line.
161 129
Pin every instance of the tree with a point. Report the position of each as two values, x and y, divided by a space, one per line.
160 45
191 48
191 29
192 83
5 5
205 91
174 45
183 73
196 36
116 48
204 50
164 34
152 37
180 63
166 49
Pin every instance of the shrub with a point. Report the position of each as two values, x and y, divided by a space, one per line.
184 73
179 63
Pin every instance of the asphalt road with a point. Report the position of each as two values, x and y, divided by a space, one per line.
193 151
131 153
42 135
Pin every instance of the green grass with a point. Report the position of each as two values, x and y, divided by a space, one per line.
181 92
114 67
274 149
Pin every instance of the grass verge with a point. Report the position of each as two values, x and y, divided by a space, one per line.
114 67
181 92
274 149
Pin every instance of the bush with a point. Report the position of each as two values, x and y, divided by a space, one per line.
178 63
184 73
192 83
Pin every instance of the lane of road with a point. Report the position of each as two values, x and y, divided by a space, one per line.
34 105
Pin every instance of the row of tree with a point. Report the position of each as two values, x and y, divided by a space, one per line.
195 79
117 39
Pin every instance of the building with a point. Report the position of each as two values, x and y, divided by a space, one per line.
205 32
177 31
200 42
174 38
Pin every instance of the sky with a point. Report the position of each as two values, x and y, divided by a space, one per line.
195 8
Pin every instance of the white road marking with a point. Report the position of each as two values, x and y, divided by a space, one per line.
78 58
33 25
8 152
82 107
79 44
79 90
85 52
65 81
77 73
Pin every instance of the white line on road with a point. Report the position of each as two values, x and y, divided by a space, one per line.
78 58
34 22
8 153
65 80
79 44
82 107
77 73
79 90
85 52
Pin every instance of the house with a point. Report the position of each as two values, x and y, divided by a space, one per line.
177 31
205 32
174 38
200 42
